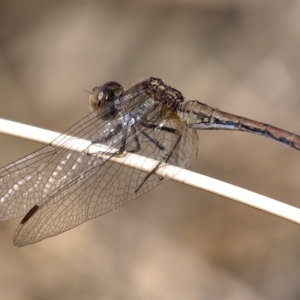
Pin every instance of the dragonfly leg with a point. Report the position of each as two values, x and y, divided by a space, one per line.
165 160
122 148
154 141
124 138
136 140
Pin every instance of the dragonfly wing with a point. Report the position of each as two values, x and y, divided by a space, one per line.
66 187
103 190
33 178
104 187
21 183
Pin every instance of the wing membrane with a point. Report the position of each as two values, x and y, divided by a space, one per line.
69 187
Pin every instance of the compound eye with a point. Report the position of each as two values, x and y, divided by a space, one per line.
103 95
99 96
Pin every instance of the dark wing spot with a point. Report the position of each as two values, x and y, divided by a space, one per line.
30 214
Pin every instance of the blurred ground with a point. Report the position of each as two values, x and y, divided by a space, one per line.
175 242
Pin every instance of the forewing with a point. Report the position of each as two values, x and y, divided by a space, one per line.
37 176
21 183
34 178
64 187
105 185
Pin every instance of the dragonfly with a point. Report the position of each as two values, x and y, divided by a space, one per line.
56 188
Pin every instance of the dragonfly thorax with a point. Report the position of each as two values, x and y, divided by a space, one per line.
163 93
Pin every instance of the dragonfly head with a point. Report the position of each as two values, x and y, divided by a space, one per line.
103 96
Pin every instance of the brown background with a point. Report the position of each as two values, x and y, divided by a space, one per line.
176 242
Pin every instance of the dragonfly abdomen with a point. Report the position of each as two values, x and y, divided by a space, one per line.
201 116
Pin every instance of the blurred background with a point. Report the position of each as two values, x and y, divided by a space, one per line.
175 242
